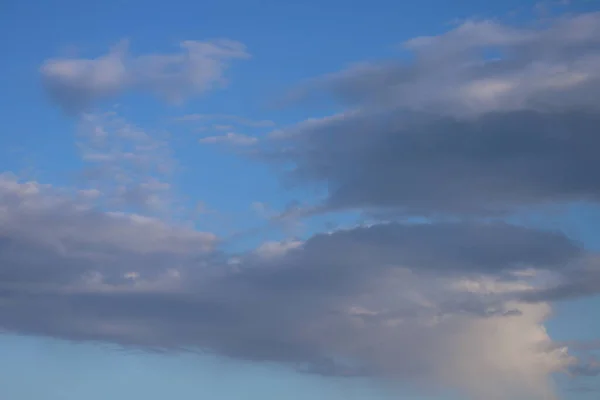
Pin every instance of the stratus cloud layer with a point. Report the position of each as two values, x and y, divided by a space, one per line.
441 305
198 67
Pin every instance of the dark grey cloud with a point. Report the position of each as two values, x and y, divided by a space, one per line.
115 270
392 300
335 260
455 131
424 164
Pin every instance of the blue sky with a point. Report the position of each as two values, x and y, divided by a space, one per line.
376 200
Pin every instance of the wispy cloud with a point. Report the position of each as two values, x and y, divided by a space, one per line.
234 139
129 167
226 117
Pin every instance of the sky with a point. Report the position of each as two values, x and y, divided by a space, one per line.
300 200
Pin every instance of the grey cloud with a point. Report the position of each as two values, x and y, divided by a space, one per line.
391 299
75 84
575 285
328 261
456 131
433 304
51 238
481 66
423 164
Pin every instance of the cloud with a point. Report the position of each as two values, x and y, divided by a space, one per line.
125 166
77 83
421 164
275 249
485 119
577 283
231 138
229 123
51 238
339 259
397 301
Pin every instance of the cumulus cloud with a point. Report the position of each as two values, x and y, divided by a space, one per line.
76 83
487 118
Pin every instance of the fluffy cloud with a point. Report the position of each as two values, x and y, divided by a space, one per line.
487 118
198 67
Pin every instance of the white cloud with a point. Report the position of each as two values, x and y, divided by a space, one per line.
126 165
76 83
275 249
481 66
231 138
85 80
